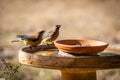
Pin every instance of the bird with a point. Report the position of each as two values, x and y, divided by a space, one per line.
52 35
30 40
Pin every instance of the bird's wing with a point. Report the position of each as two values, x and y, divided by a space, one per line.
26 37
21 36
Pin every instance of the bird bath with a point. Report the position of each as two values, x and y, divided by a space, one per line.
71 67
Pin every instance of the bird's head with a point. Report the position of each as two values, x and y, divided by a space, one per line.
41 32
58 26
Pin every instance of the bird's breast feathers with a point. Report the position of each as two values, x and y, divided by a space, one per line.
31 43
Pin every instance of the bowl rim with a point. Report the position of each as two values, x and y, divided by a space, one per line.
64 45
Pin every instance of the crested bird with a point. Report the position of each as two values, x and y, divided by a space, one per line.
52 35
30 40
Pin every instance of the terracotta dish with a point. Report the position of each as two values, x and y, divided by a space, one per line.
81 46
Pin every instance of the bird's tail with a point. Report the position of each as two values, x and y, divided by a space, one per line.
17 40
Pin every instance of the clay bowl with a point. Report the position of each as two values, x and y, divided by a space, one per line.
80 46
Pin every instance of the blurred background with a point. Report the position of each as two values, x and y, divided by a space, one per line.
80 19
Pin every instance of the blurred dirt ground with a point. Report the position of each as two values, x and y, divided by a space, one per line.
80 19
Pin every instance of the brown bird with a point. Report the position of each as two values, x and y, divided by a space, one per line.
31 40
52 35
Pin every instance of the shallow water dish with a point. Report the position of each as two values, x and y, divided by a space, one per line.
81 46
